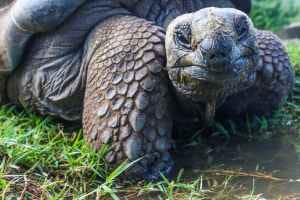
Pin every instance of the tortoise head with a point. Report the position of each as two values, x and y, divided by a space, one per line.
211 54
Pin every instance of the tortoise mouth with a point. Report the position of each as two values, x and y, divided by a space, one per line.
212 74
200 73
203 73
204 82
196 79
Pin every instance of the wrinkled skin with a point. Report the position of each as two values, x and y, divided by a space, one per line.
127 68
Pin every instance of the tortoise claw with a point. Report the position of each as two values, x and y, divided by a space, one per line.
160 170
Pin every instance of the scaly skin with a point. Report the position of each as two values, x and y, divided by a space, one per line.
127 99
51 79
112 71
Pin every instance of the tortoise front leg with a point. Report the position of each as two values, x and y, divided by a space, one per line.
126 100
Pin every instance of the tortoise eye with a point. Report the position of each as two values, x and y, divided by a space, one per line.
241 26
183 35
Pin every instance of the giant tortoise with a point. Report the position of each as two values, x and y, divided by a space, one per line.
127 68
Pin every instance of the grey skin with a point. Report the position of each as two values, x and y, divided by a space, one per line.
110 65
22 18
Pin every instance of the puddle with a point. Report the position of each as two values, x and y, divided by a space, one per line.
272 164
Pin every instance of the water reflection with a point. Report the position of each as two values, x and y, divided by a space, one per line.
277 159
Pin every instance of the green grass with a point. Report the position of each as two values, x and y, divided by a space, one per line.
273 14
40 159
42 153
294 52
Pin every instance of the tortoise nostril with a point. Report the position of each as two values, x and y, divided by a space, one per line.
216 51
223 54
213 56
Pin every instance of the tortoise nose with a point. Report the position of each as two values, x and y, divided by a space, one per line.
216 53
